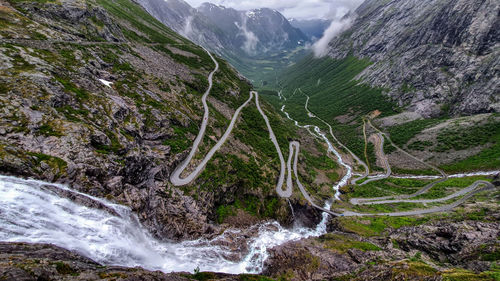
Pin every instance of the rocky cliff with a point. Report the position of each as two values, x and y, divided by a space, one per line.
433 56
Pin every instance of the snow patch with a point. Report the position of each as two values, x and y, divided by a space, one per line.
106 83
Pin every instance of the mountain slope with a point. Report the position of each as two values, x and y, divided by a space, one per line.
258 43
403 61
432 56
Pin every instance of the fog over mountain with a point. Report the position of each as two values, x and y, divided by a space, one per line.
298 9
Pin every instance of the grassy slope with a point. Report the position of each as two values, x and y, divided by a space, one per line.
454 138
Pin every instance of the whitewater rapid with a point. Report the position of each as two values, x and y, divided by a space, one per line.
34 212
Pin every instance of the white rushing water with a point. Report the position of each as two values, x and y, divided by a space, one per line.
319 134
32 211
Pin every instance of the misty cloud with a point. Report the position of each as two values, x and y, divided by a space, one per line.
188 29
251 40
301 9
320 48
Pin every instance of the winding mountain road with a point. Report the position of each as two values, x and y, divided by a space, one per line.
354 156
176 179
405 152
439 209
388 170
468 192
459 193
294 148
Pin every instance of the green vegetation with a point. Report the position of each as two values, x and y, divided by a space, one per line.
322 162
80 93
457 274
342 243
180 142
114 147
266 208
488 158
492 256
253 130
47 130
441 189
52 161
262 69
337 94
425 172
459 138
374 226
401 134
64 268
388 208
419 145
140 20
386 187
415 269
74 115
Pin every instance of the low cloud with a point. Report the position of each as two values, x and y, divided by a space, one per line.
251 40
320 48
188 29
301 9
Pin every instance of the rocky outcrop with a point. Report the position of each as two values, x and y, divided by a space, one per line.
36 262
433 56
407 253
463 244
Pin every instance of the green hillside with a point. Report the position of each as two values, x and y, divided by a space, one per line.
335 96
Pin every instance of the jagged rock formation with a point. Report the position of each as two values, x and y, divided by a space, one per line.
258 43
433 56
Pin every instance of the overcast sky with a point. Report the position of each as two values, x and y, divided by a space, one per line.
303 9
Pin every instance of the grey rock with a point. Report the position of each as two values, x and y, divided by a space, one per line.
36 262
431 55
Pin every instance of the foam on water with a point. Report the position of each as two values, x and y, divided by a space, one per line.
31 211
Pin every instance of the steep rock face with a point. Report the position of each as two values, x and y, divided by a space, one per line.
464 244
255 31
258 42
432 55
187 21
